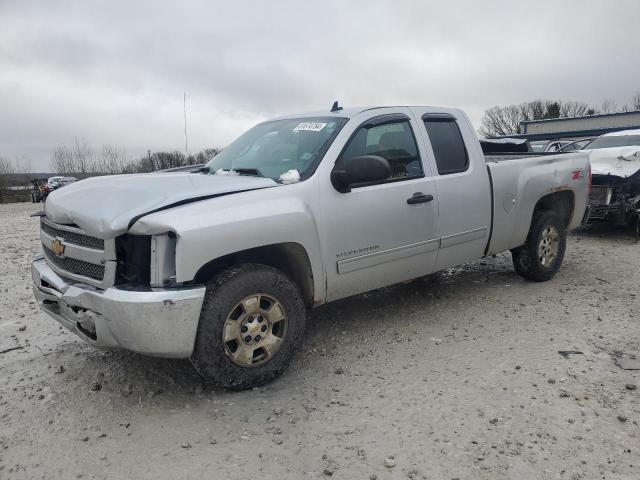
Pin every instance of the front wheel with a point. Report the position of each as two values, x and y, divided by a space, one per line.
252 318
540 258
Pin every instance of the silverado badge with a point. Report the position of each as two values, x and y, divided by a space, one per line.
57 247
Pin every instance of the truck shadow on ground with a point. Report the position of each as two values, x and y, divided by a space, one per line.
606 231
145 378
387 305
169 383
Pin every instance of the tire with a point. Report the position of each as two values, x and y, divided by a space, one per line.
242 297
535 259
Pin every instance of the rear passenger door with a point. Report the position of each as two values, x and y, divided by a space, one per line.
462 183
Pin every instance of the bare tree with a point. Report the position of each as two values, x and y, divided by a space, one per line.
62 160
209 153
635 102
534 110
503 121
83 157
81 160
6 171
608 106
500 121
574 109
113 160
6 166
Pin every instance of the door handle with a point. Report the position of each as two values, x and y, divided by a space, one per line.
419 197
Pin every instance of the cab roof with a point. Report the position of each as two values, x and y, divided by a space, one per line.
343 112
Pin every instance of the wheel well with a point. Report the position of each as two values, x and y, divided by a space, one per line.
561 202
289 258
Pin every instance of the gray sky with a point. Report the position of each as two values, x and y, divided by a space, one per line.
115 72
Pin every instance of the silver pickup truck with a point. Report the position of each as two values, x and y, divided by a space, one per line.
221 265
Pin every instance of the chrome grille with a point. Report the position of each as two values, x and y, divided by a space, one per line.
76 255
73 237
75 266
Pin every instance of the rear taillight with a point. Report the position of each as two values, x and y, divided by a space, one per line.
589 180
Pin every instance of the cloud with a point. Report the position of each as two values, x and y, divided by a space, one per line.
115 72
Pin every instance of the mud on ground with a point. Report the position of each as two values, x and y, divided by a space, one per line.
456 375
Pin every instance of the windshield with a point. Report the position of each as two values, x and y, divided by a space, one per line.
279 149
613 141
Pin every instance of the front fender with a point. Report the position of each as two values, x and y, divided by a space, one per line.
214 228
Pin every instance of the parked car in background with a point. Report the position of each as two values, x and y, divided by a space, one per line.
219 266
615 165
539 145
574 146
54 183
68 180
556 145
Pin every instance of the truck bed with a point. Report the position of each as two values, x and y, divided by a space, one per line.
500 157
516 181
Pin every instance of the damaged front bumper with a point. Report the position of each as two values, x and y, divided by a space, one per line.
151 321
614 199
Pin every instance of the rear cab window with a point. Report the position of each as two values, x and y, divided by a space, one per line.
447 143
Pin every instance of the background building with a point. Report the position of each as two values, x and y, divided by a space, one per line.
578 127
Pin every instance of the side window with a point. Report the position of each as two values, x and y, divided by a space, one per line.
393 141
448 145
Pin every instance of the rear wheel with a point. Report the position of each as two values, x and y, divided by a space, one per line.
540 258
252 318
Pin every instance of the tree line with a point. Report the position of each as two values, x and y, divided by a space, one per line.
502 121
13 173
82 160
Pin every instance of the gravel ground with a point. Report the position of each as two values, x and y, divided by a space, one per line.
456 375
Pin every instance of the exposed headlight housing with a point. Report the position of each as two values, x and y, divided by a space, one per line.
162 271
148 260
133 255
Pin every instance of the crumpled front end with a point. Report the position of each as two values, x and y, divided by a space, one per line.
152 321
615 199
116 292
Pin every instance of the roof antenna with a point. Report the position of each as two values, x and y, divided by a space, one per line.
336 107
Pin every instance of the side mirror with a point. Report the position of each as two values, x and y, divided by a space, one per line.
360 171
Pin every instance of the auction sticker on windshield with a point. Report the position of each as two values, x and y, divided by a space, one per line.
310 127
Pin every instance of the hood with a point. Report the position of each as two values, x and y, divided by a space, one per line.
104 206
618 161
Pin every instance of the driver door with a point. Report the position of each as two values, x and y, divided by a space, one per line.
383 233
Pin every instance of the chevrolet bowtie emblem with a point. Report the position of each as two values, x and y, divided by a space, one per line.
57 247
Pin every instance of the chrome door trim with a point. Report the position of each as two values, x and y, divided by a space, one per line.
463 237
